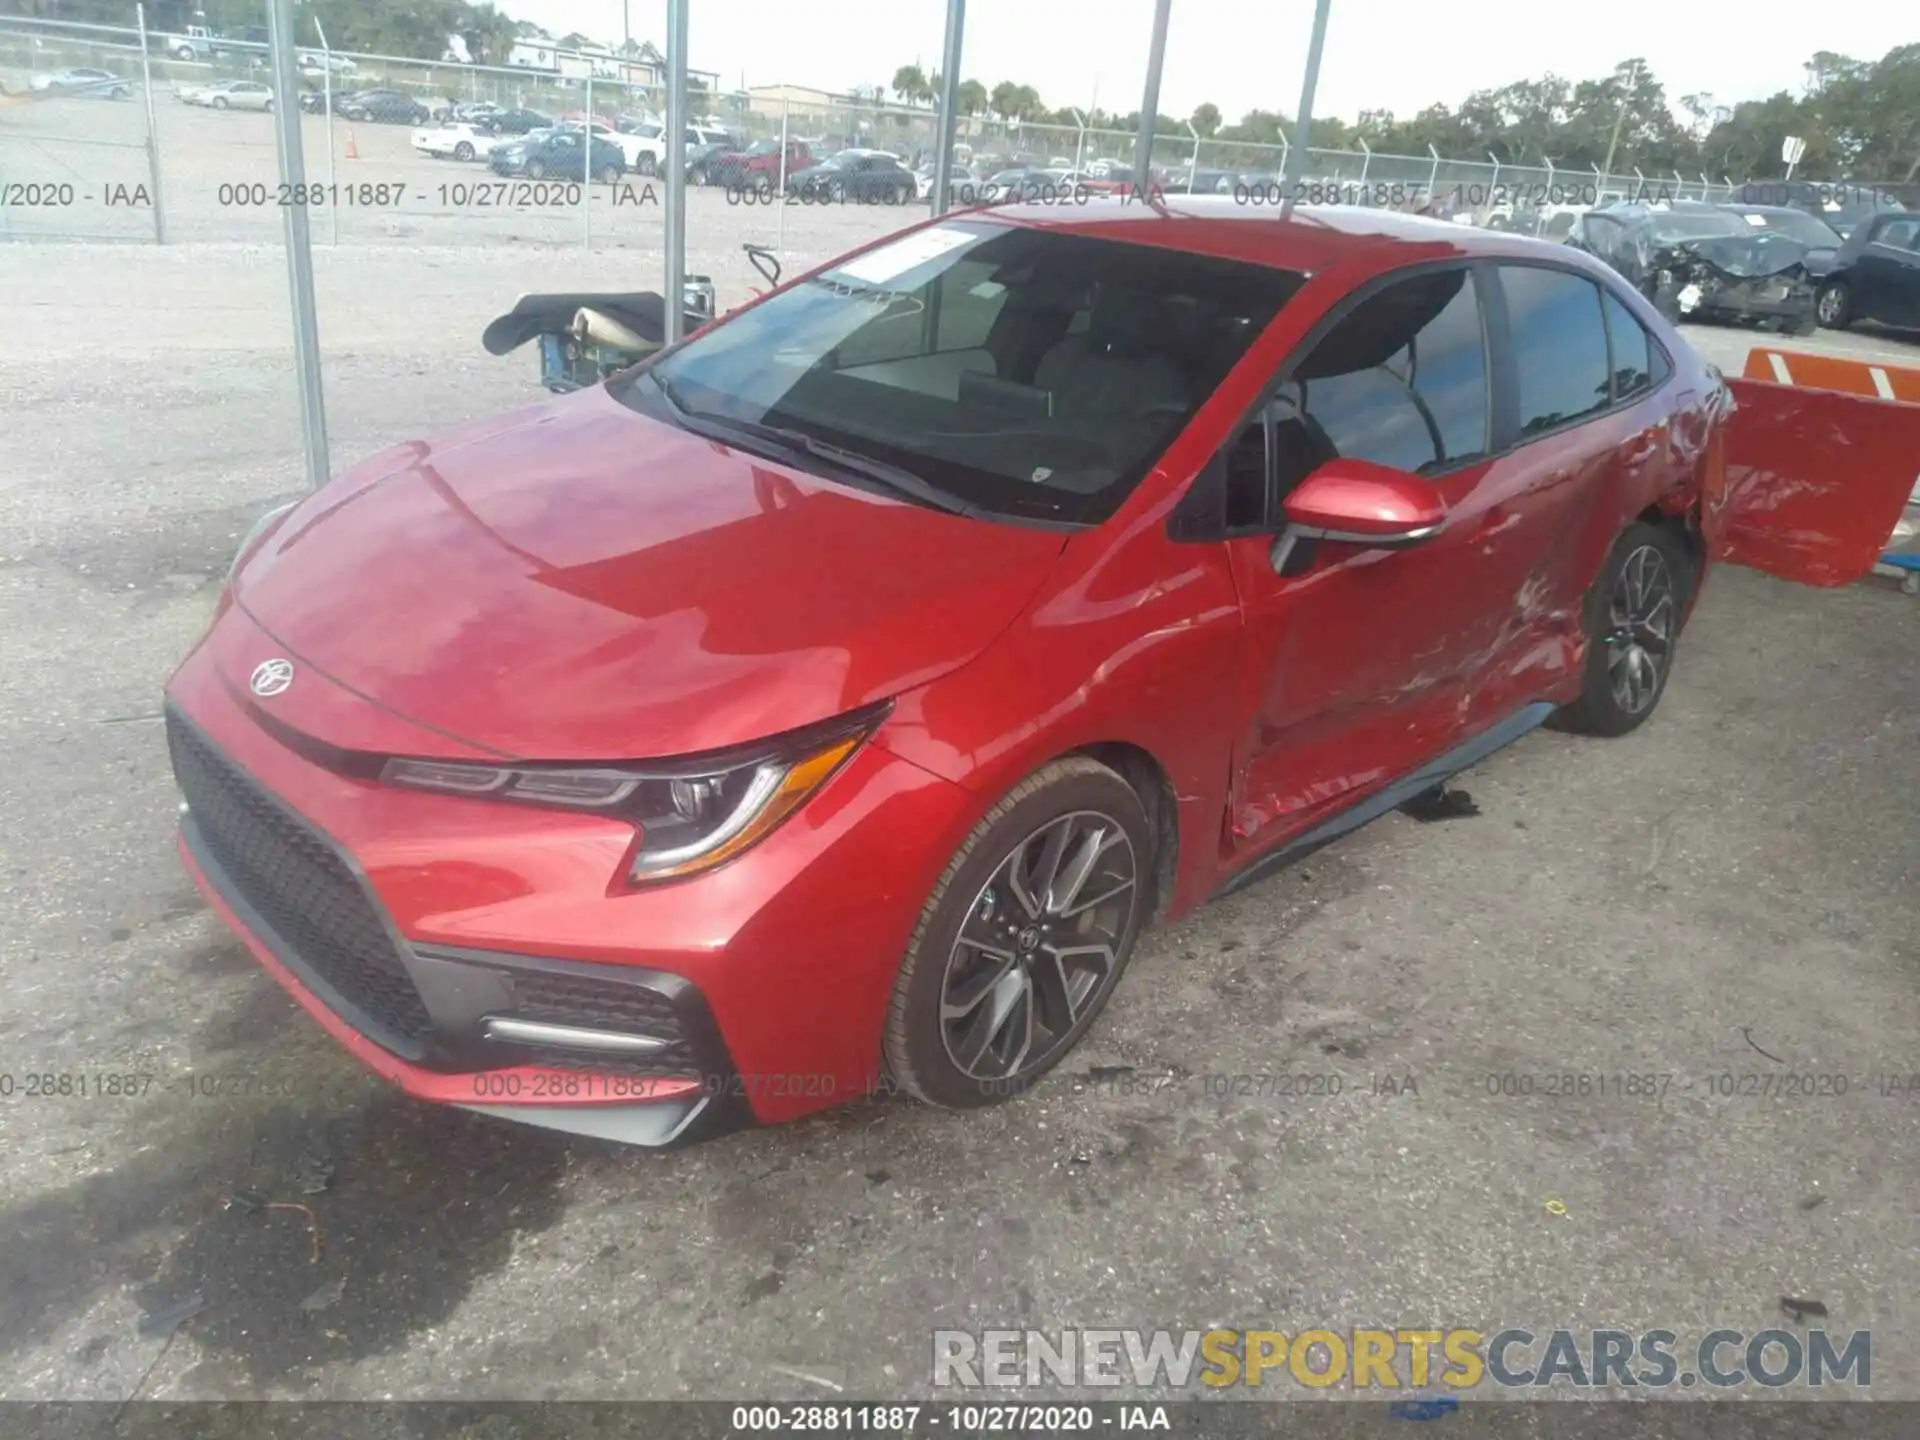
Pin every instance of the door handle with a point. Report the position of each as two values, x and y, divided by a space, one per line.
1645 449
1494 517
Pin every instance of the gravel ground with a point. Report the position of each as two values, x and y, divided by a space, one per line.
1737 877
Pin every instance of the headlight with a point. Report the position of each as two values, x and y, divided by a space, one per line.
261 529
692 815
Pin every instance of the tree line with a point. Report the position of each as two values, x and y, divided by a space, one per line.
1859 119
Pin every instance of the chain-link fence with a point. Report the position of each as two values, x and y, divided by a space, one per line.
171 136
77 134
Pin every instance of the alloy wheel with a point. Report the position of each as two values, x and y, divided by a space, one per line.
1830 304
1641 615
1040 946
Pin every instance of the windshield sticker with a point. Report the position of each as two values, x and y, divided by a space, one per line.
890 262
1759 220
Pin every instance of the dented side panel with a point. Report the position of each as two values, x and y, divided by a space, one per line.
1814 481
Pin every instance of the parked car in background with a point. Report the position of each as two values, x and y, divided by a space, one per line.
759 165
711 138
557 155
1841 204
1823 242
383 106
318 62
517 121
1697 261
1118 621
230 95
82 82
1200 182
641 153
863 177
1876 275
963 184
456 140
699 158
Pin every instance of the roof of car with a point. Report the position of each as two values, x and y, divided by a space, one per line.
1310 240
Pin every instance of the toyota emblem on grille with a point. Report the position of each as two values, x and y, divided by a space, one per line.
270 677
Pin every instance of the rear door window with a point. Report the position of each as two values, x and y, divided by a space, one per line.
1559 346
1638 362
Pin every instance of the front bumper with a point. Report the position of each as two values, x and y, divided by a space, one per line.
409 925
1757 300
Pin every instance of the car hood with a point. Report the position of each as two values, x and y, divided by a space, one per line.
1747 257
575 580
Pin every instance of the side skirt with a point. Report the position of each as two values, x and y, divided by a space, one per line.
1396 794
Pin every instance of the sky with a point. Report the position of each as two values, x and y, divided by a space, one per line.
1398 55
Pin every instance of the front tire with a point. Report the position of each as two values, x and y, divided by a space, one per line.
536 170
219 102
463 151
1834 306
1024 938
1632 626
647 166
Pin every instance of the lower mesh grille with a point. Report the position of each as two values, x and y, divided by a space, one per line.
299 885
596 1004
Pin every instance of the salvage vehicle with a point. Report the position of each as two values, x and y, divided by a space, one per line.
382 106
230 95
1701 262
1823 242
828 702
557 153
456 140
82 82
863 177
1876 275
758 167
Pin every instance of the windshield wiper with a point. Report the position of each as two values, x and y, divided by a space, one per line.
890 477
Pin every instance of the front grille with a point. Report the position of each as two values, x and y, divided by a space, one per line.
299 885
603 1005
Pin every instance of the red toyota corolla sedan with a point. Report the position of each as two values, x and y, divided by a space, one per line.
833 699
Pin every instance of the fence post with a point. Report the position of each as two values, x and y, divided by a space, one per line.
1552 195
780 219
1679 186
326 99
1366 160
1639 183
1193 165
586 166
1433 175
153 130
1286 150
1493 184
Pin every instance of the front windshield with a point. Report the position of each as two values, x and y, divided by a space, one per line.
1795 223
1023 371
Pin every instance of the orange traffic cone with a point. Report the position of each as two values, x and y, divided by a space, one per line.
353 150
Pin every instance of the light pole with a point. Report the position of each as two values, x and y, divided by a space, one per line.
1620 119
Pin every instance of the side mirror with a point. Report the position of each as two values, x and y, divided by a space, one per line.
1356 502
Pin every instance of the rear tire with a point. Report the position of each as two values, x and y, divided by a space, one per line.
1025 936
1632 628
